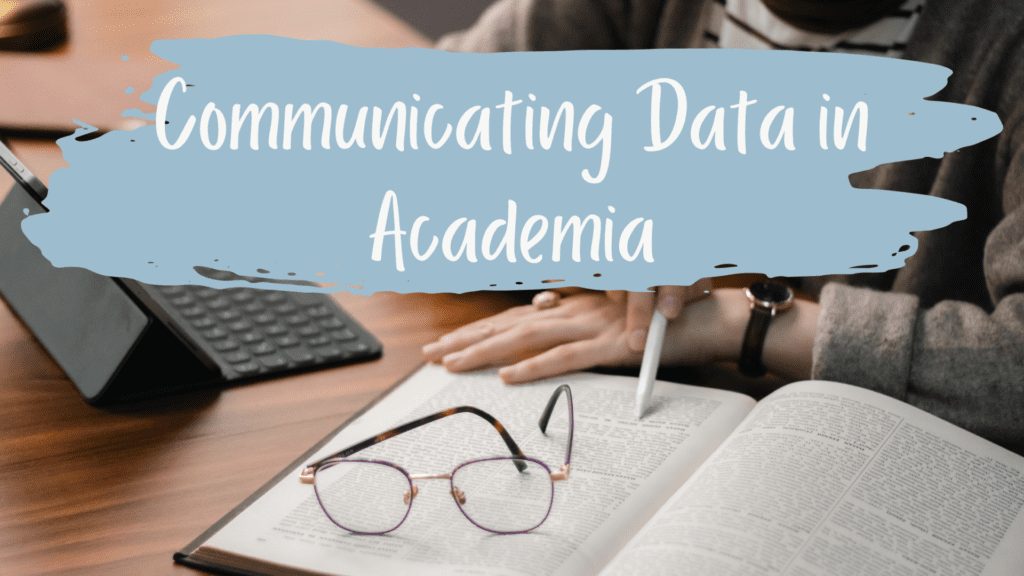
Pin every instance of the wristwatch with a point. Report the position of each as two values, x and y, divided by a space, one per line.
766 300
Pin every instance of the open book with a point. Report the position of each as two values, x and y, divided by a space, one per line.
817 478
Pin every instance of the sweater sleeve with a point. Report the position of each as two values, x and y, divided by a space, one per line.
537 25
955 360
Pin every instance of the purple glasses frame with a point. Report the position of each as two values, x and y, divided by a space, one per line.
308 475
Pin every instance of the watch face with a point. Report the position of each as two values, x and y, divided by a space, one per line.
771 293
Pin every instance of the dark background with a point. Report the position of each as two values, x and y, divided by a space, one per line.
437 17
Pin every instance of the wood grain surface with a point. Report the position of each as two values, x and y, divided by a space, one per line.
117 490
86 78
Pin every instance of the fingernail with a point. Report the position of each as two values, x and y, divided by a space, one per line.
508 374
546 299
638 339
670 307
451 360
431 349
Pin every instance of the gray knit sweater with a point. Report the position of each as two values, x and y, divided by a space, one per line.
945 332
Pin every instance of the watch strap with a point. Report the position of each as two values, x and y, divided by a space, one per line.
750 362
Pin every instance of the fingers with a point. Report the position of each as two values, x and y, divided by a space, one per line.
551 297
569 357
546 299
569 290
639 310
671 300
568 331
461 338
519 342
581 331
474 332
480 330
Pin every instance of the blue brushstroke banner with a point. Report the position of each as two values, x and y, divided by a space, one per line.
417 170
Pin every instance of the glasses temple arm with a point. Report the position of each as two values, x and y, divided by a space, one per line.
546 416
512 446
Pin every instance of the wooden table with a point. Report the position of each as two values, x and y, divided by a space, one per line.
118 490
86 78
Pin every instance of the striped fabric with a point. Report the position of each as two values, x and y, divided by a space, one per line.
748 24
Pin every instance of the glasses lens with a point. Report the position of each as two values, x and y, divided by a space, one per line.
496 496
364 497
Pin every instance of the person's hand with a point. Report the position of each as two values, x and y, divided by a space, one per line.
540 340
640 306
572 333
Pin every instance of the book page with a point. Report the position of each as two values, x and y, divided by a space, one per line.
826 478
622 471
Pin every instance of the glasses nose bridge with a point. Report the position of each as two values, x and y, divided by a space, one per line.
444 476
410 495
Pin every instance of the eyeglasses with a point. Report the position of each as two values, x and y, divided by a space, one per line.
503 495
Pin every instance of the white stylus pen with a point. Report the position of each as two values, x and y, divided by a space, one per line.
649 365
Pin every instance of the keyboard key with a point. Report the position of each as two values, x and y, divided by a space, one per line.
333 322
218 303
286 308
242 295
262 331
263 348
329 352
247 368
240 326
228 315
319 340
202 322
296 319
225 345
275 361
207 293
237 356
275 330
318 311
343 335
274 297
299 356
356 347
184 300
264 318
216 333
